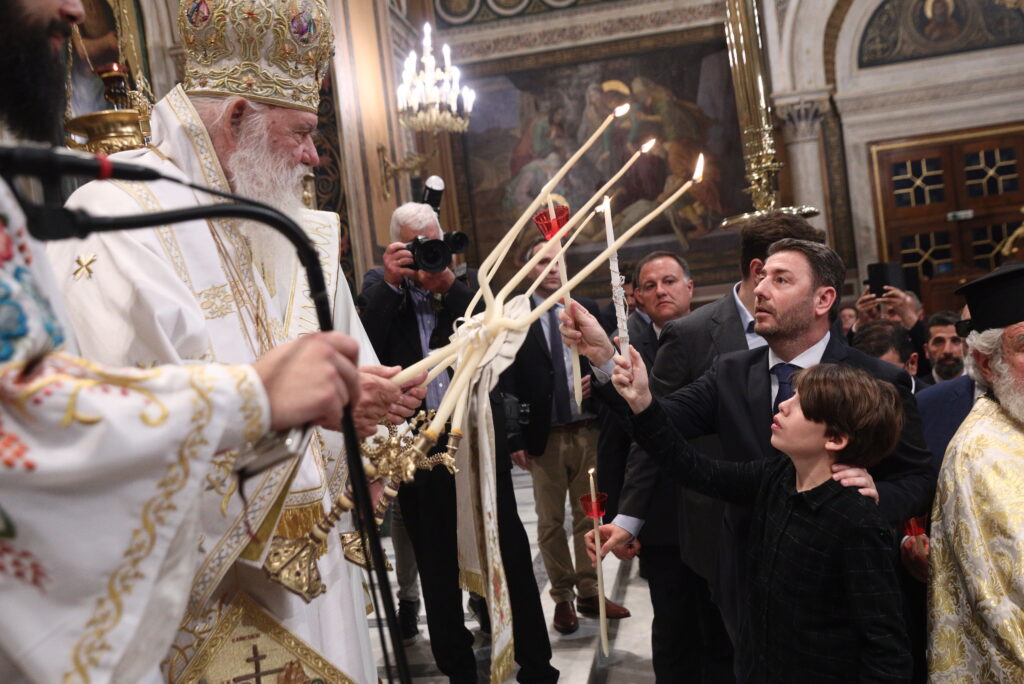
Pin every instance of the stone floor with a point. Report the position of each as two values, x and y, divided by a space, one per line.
577 656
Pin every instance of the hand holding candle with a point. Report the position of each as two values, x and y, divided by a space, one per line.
594 508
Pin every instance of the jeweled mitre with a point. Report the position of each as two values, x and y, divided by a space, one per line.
273 51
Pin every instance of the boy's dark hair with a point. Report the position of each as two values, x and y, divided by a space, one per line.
827 267
850 402
878 337
758 234
660 254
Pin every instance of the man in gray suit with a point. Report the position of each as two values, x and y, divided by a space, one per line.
687 346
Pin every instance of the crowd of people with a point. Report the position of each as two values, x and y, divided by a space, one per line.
814 491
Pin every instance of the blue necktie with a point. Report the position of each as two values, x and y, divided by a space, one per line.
784 372
560 413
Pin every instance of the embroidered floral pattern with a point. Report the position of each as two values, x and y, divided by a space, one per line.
13 324
6 243
198 13
53 328
22 565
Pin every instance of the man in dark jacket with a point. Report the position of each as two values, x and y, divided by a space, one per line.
407 313
560 445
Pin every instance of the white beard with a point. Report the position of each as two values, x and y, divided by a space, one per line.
257 173
1007 389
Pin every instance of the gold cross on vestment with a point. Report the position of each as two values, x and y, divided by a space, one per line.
84 266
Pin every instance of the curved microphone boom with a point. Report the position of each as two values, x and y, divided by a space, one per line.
47 223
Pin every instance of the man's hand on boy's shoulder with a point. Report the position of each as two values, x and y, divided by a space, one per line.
851 476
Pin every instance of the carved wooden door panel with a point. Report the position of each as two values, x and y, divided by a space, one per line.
947 204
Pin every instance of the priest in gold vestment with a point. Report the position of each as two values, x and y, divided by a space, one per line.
242 121
976 582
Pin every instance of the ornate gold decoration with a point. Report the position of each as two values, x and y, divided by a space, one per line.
275 51
216 301
1008 248
125 126
756 118
248 645
355 552
84 266
390 455
390 170
292 562
90 649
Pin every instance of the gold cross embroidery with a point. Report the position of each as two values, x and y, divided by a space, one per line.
84 266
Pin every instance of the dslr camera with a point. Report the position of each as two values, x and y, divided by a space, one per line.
432 255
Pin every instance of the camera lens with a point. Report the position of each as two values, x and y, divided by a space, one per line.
456 241
433 256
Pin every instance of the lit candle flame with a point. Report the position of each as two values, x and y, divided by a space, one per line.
648 145
591 471
622 110
698 170
606 205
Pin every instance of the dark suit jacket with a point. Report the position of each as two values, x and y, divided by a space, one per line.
390 320
733 399
531 379
390 323
614 441
943 407
672 514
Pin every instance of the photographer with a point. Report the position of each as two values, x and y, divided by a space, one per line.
408 311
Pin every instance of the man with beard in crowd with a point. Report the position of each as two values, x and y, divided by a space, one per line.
228 291
943 348
975 584
104 467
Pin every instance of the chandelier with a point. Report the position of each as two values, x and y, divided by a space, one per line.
432 100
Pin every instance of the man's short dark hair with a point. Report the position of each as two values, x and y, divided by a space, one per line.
941 318
850 402
877 338
758 234
827 267
660 254
527 253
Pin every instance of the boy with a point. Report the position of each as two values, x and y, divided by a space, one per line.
824 599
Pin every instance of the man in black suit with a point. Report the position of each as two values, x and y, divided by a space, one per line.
406 313
687 346
795 304
560 443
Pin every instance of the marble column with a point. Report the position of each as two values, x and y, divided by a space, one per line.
801 115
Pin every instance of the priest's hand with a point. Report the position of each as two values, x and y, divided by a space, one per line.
397 260
852 476
310 380
630 380
377 395
581 330
614 539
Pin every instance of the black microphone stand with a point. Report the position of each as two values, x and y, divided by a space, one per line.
58 223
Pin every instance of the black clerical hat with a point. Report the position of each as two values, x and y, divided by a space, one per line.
996 299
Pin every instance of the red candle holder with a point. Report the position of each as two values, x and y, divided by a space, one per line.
549 227
594 509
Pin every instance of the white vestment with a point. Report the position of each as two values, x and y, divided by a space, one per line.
101 472
191 292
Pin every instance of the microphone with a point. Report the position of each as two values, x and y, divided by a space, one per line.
433 190
54 162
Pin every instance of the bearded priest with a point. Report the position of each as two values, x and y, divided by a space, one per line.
221 290
975 587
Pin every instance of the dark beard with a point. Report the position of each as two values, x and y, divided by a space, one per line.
31 75
948 371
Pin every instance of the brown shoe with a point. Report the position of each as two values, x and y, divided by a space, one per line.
589 607
565 621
